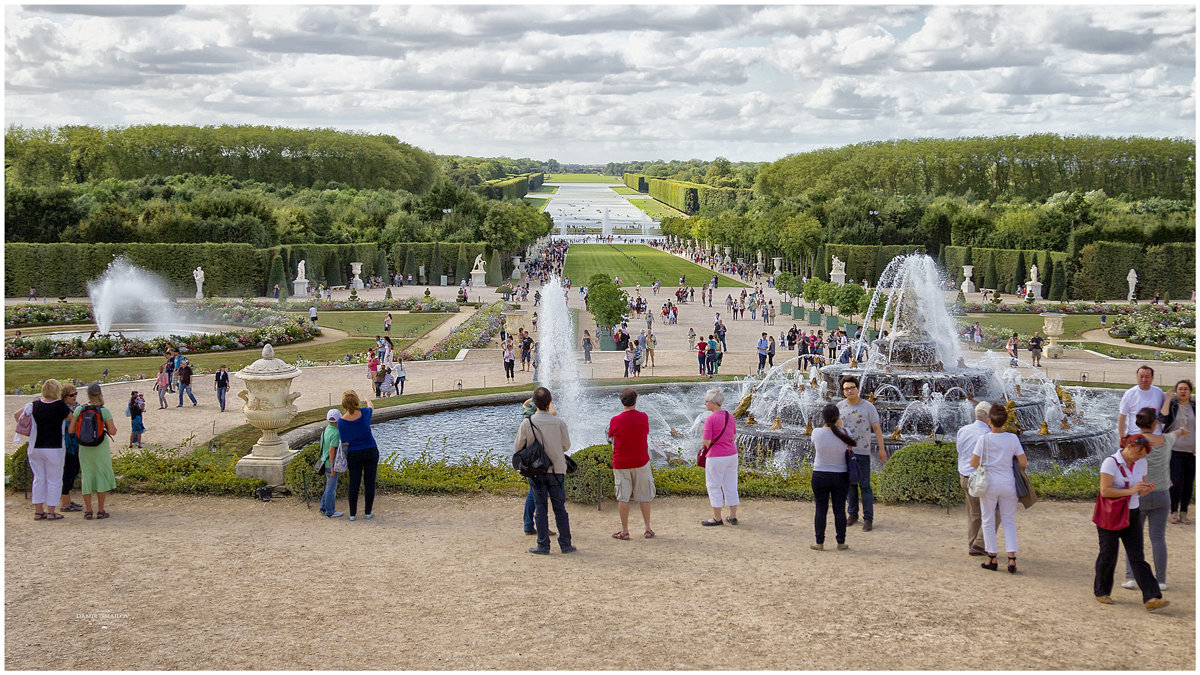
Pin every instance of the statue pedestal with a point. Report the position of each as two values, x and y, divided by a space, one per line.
516 274
300 287
838 277
477 279
1052 326
1034 289
967 287
269 469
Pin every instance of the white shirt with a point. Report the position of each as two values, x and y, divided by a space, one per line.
966 439
996 452
829 451
1133 474
1134 399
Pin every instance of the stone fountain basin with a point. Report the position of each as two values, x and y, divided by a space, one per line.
954 414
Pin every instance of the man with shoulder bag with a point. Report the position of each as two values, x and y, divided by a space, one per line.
551 433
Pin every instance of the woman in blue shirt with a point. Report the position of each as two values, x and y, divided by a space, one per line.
362 458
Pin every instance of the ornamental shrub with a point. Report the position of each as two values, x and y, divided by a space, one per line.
925 473
595 467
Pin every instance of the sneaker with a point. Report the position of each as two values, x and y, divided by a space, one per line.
531 532
843 547
540 551
1162 587
569 549
867 526
1130 584
370 516
817 547
351 518
1104 599
1156 603
335 514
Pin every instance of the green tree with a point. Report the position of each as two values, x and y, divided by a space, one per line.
278 276
847 299
1018 273
462 270
436 268
1058 278
989 271
605 301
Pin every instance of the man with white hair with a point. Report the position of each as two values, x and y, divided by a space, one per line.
966 440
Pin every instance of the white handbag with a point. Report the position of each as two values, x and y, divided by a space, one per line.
977 484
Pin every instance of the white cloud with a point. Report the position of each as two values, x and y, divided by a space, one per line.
599 83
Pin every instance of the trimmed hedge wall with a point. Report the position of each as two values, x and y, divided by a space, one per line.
1168 269
1103 267
58 270
637 181
1006 264
511 188
863 262
691 197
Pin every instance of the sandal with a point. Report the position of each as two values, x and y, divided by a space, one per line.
39 516
623 536
71 507
1174 519
1012 564
1184 520
101 514
87 515
990 564
649 534
712 523
54 516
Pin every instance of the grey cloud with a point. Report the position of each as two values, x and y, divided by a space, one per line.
1099 40
108 10
1038 82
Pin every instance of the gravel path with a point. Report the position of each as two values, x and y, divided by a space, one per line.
445 583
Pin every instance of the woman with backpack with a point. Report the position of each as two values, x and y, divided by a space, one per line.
42 422
93 424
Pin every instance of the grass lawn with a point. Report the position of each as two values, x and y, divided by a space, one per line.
1024 324
655 208
584 260
405 329
545 189
538 203
1143 352
581 178
624 190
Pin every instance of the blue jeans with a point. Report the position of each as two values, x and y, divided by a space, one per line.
550 486
221 396
868 497
330 493
186 388
529 509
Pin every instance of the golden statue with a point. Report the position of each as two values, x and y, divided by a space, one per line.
895 435
675 433
1065 425
778 424
871 396
1045 428
1018 386
808 428
1067 400
1011 425
750 419
743 405
853 363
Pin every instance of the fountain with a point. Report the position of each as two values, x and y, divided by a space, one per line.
127 294
920 383
558 369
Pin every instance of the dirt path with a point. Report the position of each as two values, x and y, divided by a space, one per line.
445 583
1101 335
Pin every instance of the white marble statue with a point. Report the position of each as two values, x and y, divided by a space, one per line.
300 272
198 275
478 264
1033 273
838 267
1132 279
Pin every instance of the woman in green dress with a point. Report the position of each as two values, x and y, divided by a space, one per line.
95 462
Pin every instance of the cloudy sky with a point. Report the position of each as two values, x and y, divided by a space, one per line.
600 83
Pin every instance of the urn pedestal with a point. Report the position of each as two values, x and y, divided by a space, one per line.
1052 325
356 281
269 406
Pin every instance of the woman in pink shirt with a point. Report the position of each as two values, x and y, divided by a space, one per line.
160 385
721 467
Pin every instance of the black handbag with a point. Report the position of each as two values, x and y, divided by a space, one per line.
852 468
532 460
572 467
319 467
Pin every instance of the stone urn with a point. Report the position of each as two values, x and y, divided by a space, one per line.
968 285
269 406
356 281
1052 326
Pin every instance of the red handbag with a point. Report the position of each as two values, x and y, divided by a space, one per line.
1112 513
702 456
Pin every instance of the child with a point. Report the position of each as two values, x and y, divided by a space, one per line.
389 383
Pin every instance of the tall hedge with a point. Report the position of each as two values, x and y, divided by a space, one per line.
1006 264
866 262
637 181
1168 269
1103 267
65 269
277 277
506 188
1018 273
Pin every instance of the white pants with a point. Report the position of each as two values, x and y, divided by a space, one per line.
1006 497
47 465
721 479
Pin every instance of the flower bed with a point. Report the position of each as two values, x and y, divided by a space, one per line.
17 316
264 326
412 304
1158 327
1060 307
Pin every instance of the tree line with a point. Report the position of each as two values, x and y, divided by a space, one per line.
299 157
